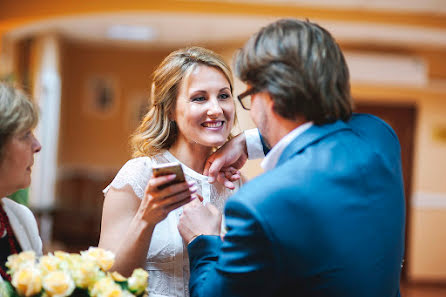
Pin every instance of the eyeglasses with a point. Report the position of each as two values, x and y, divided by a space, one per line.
245 98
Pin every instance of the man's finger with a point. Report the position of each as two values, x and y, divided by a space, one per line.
232 170
208 163
192 204
197 196
232 176
215 168
229 184
221 178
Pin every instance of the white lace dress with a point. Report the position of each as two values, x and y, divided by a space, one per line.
167 259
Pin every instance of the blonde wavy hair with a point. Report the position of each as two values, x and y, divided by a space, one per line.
17 114
156 131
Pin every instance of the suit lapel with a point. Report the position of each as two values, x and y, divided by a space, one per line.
312 135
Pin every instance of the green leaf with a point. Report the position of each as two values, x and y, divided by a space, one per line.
124 285
78 292
6 289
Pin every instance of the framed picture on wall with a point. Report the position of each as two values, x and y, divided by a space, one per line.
137 106
101 97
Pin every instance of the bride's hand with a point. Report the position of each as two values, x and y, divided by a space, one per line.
156 204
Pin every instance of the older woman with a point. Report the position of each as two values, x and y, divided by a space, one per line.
18 227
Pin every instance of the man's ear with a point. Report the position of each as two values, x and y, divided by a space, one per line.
270 106
269 101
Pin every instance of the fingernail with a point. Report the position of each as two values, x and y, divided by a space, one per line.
229 185
193 189
191 183
172 176
211 179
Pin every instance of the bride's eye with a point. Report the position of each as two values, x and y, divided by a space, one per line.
198 99
224 96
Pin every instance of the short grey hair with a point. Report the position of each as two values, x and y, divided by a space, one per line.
17 114
303 69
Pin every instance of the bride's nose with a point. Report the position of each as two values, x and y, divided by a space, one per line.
214 108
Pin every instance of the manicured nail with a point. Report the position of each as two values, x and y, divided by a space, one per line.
193 189
211 179
191 183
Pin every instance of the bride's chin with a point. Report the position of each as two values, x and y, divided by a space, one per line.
217 144
212 143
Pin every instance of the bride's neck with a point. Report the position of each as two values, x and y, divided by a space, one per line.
193 155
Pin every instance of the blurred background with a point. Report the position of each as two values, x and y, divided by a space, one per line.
88 64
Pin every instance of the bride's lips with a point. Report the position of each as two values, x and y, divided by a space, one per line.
213 124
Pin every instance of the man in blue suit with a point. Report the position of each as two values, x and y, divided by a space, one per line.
327 216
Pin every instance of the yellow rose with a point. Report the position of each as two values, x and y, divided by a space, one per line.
106 287
138 281
27 280
49 264
17 260
58 284
116 276
85 273
62 255
103 258
67 260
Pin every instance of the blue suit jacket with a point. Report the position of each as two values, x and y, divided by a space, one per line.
327 221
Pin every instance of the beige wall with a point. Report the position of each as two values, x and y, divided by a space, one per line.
87 139
427 252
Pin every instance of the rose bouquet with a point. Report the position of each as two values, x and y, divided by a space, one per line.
76 275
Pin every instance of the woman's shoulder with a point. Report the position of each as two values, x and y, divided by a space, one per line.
139 162
14 206
135 172
23 224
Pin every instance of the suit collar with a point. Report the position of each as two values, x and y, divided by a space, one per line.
312 135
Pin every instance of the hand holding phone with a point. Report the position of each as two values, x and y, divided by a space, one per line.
168 169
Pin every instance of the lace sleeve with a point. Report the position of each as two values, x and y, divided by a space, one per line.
136 173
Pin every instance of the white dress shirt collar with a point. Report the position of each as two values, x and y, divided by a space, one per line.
271 159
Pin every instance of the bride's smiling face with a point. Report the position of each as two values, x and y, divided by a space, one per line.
205 109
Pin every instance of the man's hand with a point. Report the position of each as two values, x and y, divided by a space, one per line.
223 165
198 219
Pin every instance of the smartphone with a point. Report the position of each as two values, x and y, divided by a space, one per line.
167 169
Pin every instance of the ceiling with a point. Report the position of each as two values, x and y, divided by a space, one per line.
179 29
428 6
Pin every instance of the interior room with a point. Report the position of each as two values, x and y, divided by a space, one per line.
88 64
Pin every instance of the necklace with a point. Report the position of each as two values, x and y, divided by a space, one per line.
4 221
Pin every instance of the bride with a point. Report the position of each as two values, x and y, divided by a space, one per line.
192 113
